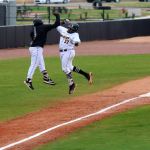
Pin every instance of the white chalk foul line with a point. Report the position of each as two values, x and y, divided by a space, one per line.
74 120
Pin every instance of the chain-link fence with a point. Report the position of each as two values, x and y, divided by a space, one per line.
25 13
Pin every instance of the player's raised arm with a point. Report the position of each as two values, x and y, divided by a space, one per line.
56 23
62 31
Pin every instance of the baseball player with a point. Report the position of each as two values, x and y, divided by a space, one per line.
69 38
39 36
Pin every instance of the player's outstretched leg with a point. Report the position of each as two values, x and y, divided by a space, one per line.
71 83
88 76
47 79
72 88
28 83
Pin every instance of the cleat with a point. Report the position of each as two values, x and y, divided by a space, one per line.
90 78
72 88
29 85
49 81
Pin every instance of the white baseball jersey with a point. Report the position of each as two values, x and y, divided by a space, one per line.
67 40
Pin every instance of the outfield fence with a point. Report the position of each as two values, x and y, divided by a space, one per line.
18 36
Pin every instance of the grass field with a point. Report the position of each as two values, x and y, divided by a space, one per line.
125 131
16 100
132 4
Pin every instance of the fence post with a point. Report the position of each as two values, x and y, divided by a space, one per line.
49 13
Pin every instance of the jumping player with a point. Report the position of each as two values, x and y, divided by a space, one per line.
69 38
39 36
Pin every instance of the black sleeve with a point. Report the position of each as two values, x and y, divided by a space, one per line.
32 35
56 24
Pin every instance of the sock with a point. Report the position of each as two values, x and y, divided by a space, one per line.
45 75
69 77
77 70
29 80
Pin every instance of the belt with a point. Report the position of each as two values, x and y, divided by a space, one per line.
63 50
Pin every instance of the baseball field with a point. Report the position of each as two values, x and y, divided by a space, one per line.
113 113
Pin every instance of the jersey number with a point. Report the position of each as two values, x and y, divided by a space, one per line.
66 40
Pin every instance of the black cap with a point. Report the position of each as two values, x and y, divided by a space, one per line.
37 22
74 27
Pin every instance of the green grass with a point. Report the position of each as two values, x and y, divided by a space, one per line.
16 100
135 4
83 14
125 131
